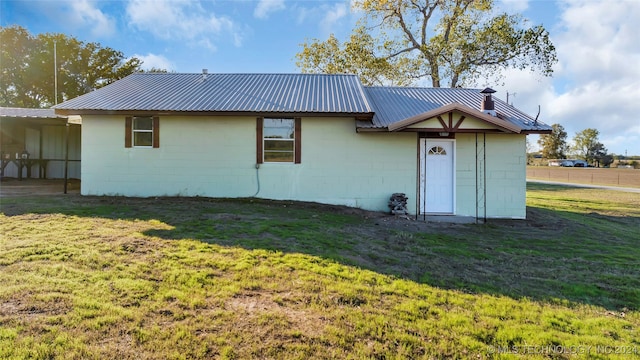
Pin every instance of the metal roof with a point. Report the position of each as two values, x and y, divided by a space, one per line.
11 112
283 93
260 93
394 104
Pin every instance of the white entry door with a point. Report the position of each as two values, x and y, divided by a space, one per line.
436 176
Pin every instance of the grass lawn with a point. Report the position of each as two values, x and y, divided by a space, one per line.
103 277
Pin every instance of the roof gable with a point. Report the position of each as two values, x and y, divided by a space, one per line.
394 107
464 111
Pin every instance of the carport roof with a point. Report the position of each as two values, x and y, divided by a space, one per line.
12 112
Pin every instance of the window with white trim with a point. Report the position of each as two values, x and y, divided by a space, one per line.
279 140
142 131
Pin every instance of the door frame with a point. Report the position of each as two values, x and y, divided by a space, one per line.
422 165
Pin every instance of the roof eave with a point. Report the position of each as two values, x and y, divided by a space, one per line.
371 129
537 131
357 115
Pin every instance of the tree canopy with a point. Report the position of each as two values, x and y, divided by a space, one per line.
27 67
454 41
554 145
588 147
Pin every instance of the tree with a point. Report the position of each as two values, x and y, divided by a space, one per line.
601 156
586 145
554 145
27 67
454 40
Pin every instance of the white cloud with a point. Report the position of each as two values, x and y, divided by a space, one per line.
515 6
150 61
265 7
85 13
599 40
599 53
181 20
596 83
333 15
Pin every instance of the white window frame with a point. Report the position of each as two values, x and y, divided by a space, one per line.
134 131
291 140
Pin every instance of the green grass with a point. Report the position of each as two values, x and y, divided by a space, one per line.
101 277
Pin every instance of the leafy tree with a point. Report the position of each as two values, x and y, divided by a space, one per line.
27 67
155 70
587 146
554 145
401 41
601 156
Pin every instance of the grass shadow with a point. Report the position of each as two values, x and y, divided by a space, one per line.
554 255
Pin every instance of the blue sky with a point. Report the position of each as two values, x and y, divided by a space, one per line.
596 82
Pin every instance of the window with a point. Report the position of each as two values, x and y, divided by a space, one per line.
437 150
142 131
278 140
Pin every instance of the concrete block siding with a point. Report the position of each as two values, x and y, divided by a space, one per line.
216 156
505 183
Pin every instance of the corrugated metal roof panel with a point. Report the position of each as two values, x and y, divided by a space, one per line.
29 113
393 104
282 93
286 93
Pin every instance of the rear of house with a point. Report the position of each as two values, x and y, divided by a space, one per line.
306 137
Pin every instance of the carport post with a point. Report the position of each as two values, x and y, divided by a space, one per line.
66 156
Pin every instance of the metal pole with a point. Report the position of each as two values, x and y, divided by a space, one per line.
477 177
484 171
55 71
66 157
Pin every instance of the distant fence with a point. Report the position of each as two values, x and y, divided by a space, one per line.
597 176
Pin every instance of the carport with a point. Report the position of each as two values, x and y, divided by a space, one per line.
38 144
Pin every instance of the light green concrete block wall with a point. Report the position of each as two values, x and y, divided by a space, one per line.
197 157
216 157
340 166
466 174
505 175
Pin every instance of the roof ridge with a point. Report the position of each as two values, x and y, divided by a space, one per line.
419 87
239 73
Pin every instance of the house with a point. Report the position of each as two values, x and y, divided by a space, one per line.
35 143
307 137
